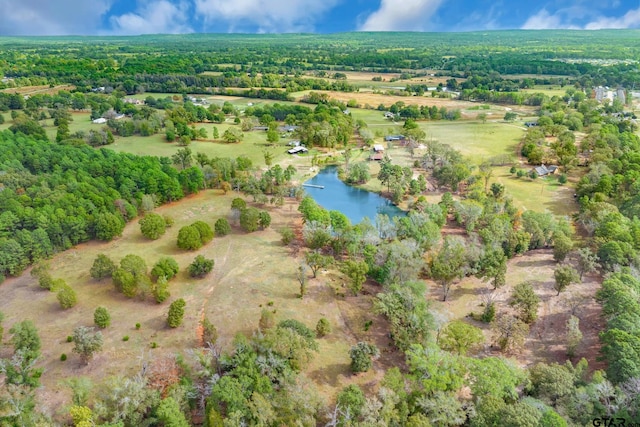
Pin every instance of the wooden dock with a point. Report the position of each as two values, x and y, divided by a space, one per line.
314 186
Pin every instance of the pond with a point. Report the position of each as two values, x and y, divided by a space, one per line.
354 202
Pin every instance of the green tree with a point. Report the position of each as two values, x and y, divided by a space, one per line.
67 297
249 219
574 335
86 342
167 267
510 116
182 158
587 261
301 275
189 238
161 290
222 227
108 225
460 337
356 271
448 264
200 266
351 401
323 327
101 317
524 298
170 415
494 267
25 339
362 355
562 245
152 226
316 261
102 267
564 276
176 313
205 231
125 282
264 219
287 235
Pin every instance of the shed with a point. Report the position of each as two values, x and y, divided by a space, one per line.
378 148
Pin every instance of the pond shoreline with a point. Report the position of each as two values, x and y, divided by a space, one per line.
356 203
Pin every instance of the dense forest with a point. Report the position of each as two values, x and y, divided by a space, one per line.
175 63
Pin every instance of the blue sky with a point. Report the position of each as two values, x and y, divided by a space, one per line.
60 17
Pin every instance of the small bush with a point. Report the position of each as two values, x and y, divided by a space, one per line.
67 297
152 226
63 357
125 338
562 179
222 227
101 317
154 344
200 266
323 327
287 236
176 313
69 338
168 221
138 326
367 325
161 290
167 267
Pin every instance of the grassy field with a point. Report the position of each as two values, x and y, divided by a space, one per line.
252 272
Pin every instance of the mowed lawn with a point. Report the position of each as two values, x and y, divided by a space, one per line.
252 272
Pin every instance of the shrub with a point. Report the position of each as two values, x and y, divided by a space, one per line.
101 317
167 267
562 179
264 219
138 326
154 344
323 327
168 221
222 227
361 356
125 282
161 290
125 338
69 338
176 313
67 297
63 357
189 238
200 266
206 233
209 332
287 235
250 219
102 267
267 320
152 226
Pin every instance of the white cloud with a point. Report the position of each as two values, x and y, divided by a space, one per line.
59 17
575 18
154 17
631 19
268 15
401 15
543 20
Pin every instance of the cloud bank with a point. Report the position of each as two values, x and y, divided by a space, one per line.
401 15
154 17
269 16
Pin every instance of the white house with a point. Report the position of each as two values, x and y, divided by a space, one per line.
100 121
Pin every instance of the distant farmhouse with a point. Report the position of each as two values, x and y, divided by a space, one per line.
391 138
543 170
603 92
298 149
378 152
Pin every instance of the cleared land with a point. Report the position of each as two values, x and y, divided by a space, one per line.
252 271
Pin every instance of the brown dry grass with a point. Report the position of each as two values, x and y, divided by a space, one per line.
40 90
546 340
252 272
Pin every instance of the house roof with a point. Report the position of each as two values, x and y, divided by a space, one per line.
394 137
378 147
298 149
376 156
